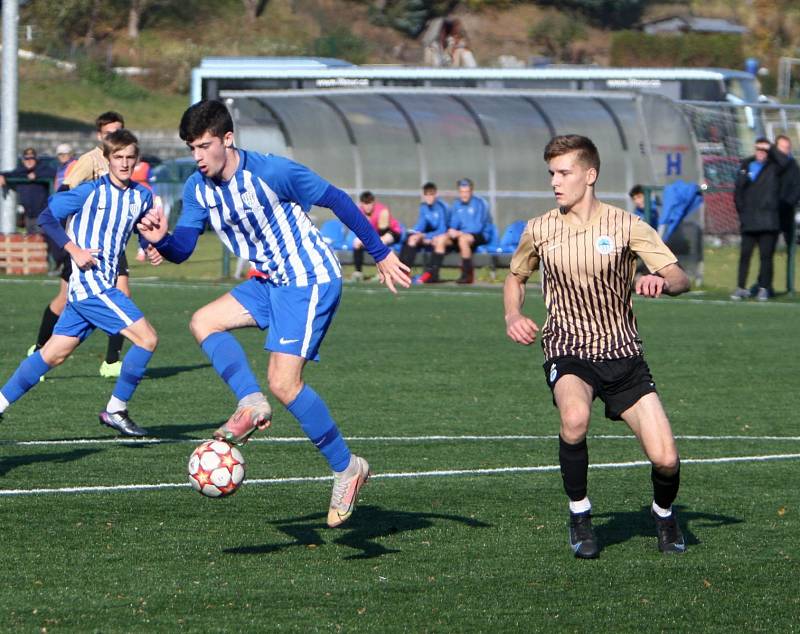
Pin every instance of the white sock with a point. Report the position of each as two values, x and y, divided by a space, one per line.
581 506
3 403
351 466
661 512
252 399
116 405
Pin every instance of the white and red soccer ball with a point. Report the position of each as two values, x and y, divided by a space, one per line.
216 469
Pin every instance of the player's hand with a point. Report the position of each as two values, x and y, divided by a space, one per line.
84 258
650 285
521 329
153 256
153 225
392 271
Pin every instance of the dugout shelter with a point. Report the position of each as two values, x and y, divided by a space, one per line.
391 140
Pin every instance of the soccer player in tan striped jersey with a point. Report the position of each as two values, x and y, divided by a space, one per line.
587 252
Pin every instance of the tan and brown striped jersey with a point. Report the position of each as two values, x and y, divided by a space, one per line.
587 273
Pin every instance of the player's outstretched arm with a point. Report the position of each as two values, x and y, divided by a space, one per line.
392 271
519 328
669 280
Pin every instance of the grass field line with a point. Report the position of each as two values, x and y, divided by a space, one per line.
475 291
428 438
121 488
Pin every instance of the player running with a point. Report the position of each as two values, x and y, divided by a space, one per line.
258 206
587 251
102 215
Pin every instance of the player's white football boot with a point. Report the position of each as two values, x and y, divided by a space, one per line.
346 485
244 421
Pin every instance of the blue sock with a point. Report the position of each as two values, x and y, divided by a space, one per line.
230 362
315 419
134 363
27 375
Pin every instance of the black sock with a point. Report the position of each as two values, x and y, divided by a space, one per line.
408 254
358 258
436 264
665 487
49 319
466 265
574 460
114 348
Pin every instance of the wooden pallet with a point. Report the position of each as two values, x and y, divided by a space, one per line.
23 255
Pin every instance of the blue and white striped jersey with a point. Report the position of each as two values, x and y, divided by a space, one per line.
260 214
101 216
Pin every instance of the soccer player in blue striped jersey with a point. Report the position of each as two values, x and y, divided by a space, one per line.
258 205
101 215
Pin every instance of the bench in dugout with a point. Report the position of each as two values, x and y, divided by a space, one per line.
495 254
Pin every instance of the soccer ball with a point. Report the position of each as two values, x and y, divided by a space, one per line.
216 469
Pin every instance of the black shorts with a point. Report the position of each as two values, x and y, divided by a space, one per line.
619 383
394 234
66 267
478 238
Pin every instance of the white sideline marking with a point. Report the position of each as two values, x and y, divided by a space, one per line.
430 438
475 291
407 474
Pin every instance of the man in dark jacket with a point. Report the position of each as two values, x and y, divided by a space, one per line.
790 191
757 196
33 193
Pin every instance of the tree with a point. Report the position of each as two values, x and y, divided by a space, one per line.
254 8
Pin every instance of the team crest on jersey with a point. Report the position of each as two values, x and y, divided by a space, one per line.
604 245
249 199
133 210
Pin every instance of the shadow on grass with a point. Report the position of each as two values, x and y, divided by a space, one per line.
616 528
181 431
12 462
152 373
362 532
164 372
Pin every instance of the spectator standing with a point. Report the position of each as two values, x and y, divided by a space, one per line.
384 223
432 221
790 191
35 188
757 196
66 159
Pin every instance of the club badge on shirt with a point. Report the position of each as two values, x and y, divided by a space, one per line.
604 245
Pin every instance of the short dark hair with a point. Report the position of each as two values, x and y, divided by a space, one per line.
566 143
429 187
108 117
119 139
782 136
209 115
367 197
29 151
465 182
636 189
762 139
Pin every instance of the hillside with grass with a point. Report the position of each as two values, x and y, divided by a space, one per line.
163 40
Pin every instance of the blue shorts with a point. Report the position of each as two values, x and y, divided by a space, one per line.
110 311
297 317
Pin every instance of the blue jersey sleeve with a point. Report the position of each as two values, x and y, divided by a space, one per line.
294 182
195 212
422 222
63 204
